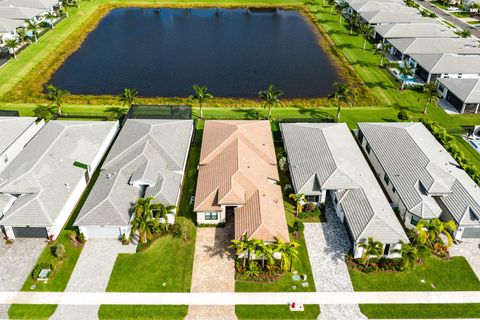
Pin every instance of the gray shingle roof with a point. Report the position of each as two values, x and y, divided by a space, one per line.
11 128
329 153
448 63
7 25
415 30
37 4
19 13
421 170
411 46
43 174
397 16
468 90
146 152
369 6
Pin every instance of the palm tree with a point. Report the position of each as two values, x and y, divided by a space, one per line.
33 27
343 95
431 90
128 97
160 210
63 10
405 70
21 35
365 30
12 44
270 98
201 96
299 200
288 251
331 3
431 230
143 221
50 16
354 21
264 251
384 51
409 255
240 246
410 3
370 248
56 96
340 7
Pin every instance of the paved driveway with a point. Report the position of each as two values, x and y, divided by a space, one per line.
213 271
91 274
470 249
16 263
327 245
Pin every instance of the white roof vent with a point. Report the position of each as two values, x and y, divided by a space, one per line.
109 176
67 185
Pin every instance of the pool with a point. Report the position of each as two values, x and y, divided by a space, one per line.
235 52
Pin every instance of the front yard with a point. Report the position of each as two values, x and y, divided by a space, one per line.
454 274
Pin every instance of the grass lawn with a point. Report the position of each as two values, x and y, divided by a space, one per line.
260 312
32 311
142 312
435 275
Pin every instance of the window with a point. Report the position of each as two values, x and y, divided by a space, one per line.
386 250
211 215
312 198
368 147
414 220
386 179
360 136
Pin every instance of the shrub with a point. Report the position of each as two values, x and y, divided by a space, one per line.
402 115
310 207
315 213
60 251
282 163
125 239
39 267
81 238
178 231
73 235
298 226
43 112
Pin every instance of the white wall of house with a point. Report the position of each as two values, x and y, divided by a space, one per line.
17 146
103 149
202 217
358 251
107 232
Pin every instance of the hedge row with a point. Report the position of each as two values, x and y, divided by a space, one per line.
447 140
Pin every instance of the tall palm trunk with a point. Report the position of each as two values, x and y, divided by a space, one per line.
201 111
331 9
269 111
403 85
338 112
381 60
364 43
425 109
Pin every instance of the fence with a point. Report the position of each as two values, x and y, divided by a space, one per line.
9 113
160 112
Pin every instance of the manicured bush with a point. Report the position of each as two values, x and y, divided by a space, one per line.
402 115
310 207
298 226
310 210
60 252
81 238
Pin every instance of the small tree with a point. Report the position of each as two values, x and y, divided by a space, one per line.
240 247
331 3
50 16
464 33
299 200
432 95
201 96
344 95
128 97
43 113
409 255
384 51
405 71
12 44
271 98
366 31
402 115
60 252
56 96
370 248
33 27
354 21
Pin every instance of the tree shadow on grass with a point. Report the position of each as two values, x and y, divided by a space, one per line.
315 114
118 112
363 64
250 114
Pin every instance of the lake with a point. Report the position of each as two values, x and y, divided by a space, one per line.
235 52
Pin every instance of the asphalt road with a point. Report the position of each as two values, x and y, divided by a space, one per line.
446 16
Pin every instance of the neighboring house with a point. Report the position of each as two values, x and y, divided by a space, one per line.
333 166
390 17
462 94
45 5
19 13
15 133
429 67
369 6
421 177
406 47
147 160
238 180
413 30
46 180
351 2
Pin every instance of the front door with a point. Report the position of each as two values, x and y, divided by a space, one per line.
229 215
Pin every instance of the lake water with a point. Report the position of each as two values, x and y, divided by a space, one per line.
164 52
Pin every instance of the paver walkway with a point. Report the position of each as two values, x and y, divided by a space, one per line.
16 263
470 249
327 245
91 274
213 271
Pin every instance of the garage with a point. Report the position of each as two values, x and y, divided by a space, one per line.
101 232
30 232
471 232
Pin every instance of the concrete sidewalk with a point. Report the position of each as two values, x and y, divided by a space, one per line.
234 298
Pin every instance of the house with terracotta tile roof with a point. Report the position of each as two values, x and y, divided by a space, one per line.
238 180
